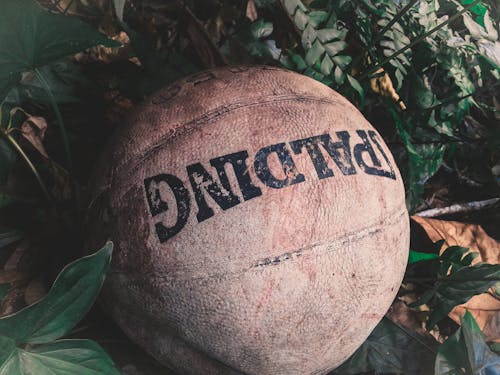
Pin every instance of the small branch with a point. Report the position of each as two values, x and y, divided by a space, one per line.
459 208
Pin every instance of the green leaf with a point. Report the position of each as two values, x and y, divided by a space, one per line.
459 287
31 37
416 256
356 86
9 235
119 7
315 53
342 61
66 82
391 349
334 48
317 17
339 76
326 35
466 352
7 160
7 346
261 29
69 299
326 65
64 357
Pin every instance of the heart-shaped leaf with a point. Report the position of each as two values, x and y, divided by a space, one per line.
69 299
32 37
64 357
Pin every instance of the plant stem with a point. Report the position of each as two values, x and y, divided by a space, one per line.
18 148
60 123
419 39
395 19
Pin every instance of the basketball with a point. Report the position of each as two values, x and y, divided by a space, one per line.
259 224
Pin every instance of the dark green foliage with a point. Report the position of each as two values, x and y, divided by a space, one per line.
466 352
69 299
453 281
391 348
31 38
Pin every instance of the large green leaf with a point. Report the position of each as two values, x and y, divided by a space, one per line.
458 288
69 299
31 37
466 352
66 82
392 349
64 357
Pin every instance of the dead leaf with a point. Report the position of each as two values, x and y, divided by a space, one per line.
109 55
205 47
11 277
35 291
467 235
12 301
484 307
381 84
251 11
33 130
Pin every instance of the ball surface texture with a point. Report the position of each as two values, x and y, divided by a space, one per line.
259 224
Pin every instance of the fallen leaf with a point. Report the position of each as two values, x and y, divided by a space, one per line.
33 130
35 291
12 302
381 84
251 11
485 307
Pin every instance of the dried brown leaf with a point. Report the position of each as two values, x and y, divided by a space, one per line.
35 291
13 301
251 11
33 130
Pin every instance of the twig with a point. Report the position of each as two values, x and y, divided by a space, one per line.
459 208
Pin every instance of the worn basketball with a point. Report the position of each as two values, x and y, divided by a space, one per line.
259 224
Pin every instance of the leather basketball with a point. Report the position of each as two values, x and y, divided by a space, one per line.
259 224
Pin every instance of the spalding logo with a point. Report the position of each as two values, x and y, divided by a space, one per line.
222 192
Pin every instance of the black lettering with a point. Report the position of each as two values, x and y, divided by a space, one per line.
261 165
157 205
366 148
312 147
222 195
341 159
374 138
238 161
